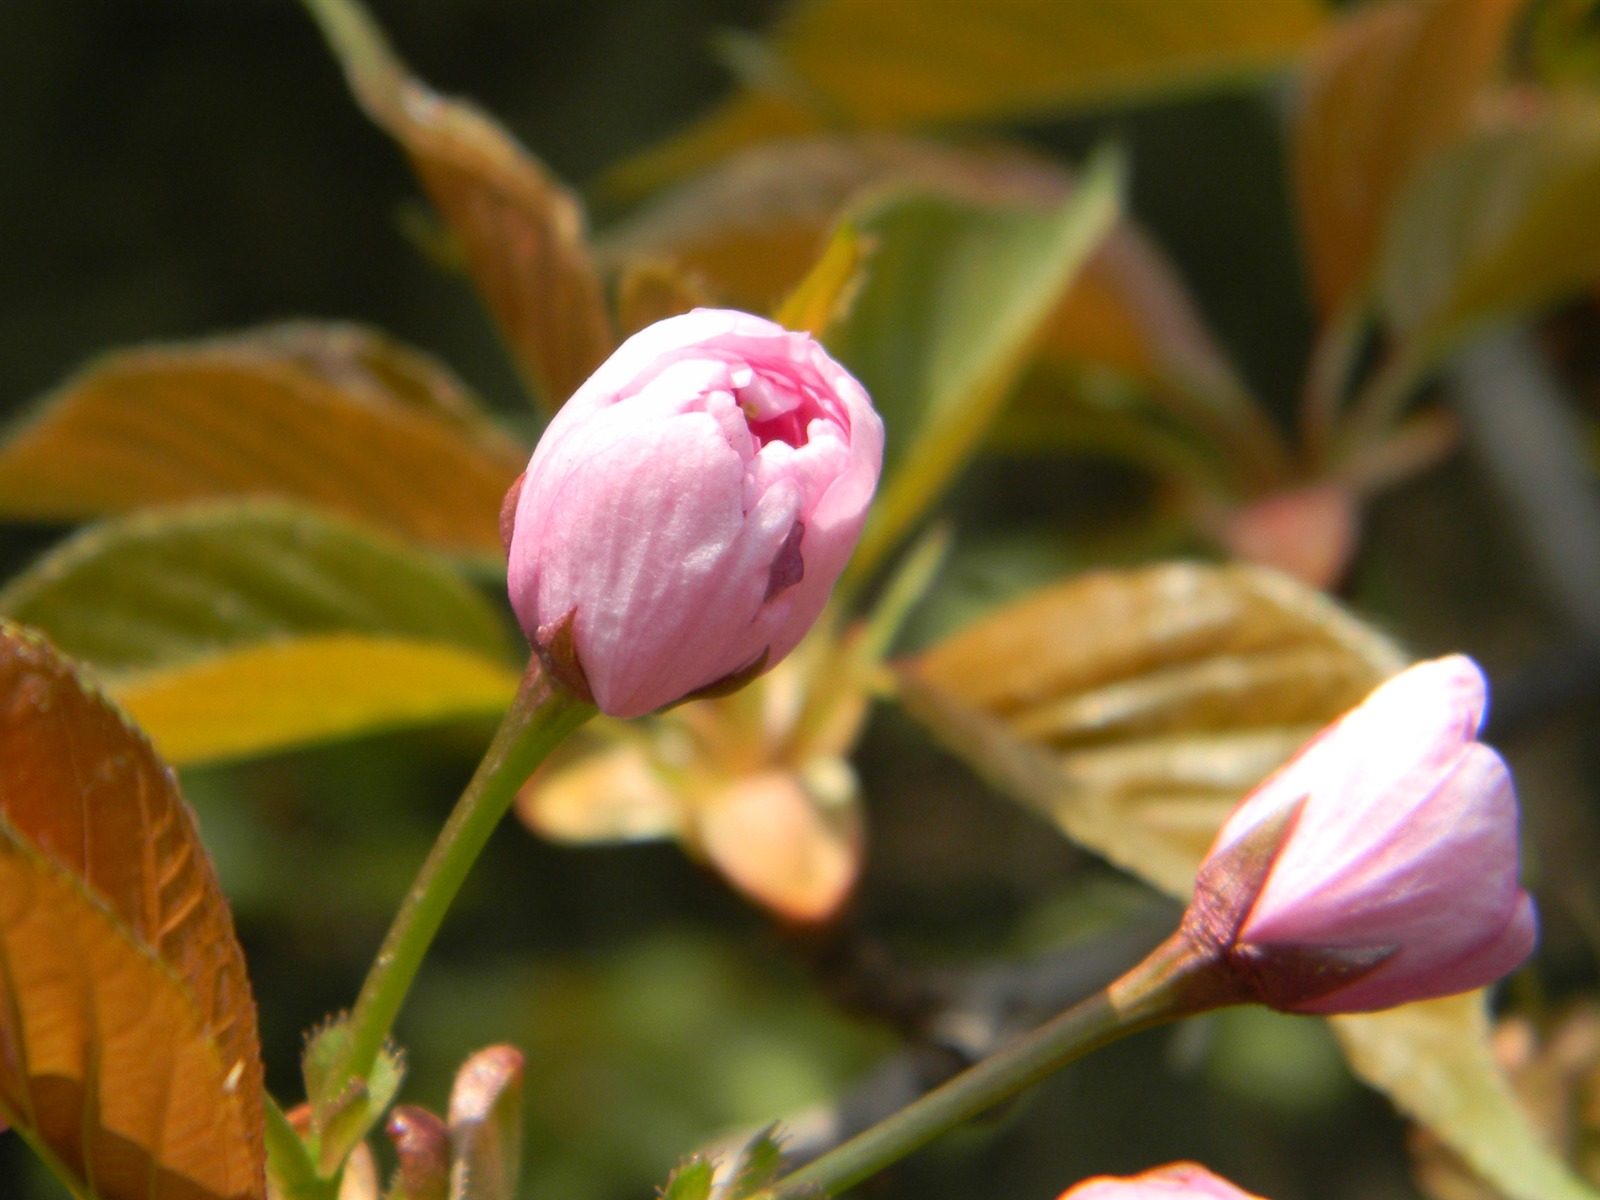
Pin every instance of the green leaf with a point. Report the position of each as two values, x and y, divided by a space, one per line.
897 64
1503 224
238 627
944 321
334 415
172 586
1135 708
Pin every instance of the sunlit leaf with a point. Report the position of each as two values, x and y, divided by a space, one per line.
1503 223
269 697
133 1061
954 295
521 232
896 64
240 627
333 415
1134 708
1386 89
826 292
1435 1061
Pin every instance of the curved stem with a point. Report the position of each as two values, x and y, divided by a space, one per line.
1171 983
539 718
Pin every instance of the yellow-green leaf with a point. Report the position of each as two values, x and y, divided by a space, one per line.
241 627
752 230
1503 223
1435 1061
953 297
828 289
1135 708
333 415
900 64
521 232
133 1062
268 697
1386 89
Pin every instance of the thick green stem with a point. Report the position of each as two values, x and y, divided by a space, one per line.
1174 981
539 718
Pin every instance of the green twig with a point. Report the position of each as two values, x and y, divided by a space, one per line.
1170 983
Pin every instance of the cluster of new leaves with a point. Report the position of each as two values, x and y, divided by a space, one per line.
287 527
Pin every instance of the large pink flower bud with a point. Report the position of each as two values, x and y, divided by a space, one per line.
1176 1181
687 512
1379 866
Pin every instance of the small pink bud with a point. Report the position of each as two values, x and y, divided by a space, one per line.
1379 866
1171 1182
687 512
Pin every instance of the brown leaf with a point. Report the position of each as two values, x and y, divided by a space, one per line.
650 292
775 840
1385 90
521 232
129 1029
335 415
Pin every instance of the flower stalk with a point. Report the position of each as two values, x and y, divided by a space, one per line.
540 717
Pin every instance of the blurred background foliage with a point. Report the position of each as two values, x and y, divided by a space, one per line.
181 168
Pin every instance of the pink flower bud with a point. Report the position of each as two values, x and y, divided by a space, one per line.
687 512
1171 1182
1379 866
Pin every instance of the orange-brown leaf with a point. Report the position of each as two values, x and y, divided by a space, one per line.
132 1051
333 415
520 231
1390 87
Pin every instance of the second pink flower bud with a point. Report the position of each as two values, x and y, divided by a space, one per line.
1380 866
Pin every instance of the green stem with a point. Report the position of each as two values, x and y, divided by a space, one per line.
1379 404
1333 359
289 1166
539 718
1171 983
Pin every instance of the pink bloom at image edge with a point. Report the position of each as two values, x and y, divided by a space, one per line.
690 508
1406 842
1171 1182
